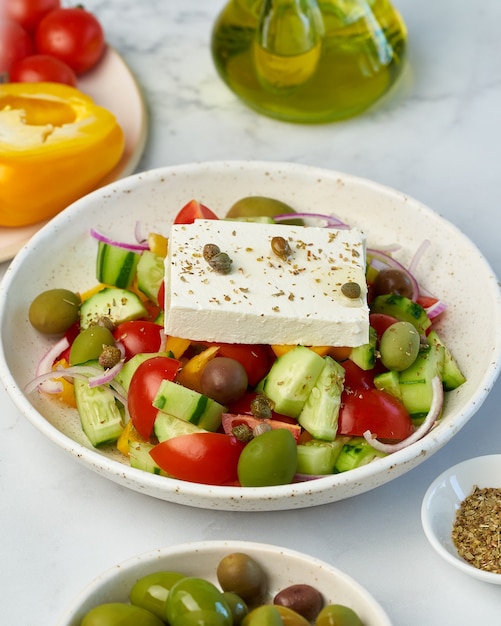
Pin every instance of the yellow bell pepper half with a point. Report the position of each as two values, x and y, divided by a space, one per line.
56 146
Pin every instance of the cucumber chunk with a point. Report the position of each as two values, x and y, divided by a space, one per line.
320 412
167 426
291 379
365 355
355 453
116 266
140 458
119 305
189 405
404 309
100 416
452 376
150 274
319 457
389 382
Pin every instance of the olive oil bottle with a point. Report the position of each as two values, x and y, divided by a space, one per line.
309 61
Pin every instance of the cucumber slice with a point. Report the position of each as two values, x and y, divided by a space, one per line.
116 266
404 309
167 426
150 273
365 356
389 382
320 412
319 457
100 416
452 376
355 453
140 458
188 405
119 305
291 379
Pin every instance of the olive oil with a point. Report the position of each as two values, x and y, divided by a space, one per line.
309 61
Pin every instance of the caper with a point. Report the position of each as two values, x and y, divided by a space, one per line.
210 250
281 248
262 206
221 263
88 344
52 312
351 290
399 346
109 357
261 406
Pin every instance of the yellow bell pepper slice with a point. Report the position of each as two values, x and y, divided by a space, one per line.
191 373
56 145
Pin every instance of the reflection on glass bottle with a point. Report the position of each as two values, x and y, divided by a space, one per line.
309 60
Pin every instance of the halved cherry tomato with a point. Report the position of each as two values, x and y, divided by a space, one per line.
375 410
426 301
161 296
138 336
229 421
143 388
357 378
207 458
380 322
253 357
192 211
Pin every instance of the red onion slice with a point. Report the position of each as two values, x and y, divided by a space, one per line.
419 433
133 247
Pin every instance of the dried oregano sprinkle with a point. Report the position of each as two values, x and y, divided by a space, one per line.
476 531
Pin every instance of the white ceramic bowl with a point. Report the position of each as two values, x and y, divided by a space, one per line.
283 567
63 255
443 499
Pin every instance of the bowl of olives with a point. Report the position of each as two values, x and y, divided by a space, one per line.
454 283
235 582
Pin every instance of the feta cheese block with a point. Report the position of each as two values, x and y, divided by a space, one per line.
265 298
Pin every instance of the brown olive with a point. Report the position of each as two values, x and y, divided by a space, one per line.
52 312
393 280
224 380
241 574
301 598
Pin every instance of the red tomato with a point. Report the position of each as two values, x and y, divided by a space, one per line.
207 458
357 378
15 44
161 296
143 389
29 12
192 211
375 410
253 357
229 421
426 301
72 35
39 68
380 322
138 336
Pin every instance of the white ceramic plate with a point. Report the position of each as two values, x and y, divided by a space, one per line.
443 499
111 85
284 567
452 268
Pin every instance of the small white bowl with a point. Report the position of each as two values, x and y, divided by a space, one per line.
283 567
443 499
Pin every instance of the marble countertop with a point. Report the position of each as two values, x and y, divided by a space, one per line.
438 138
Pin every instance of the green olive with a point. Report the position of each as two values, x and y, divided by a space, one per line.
194 601
269 459
266 615
52 312
150 592
237 605
89 343
261 206
337 615
399 346
120 614
241 574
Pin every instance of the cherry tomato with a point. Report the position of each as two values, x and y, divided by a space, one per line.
192 211
357 378
229 421
374 410
72 35
380 322
207 458
15 44
426 301
143 388
161 296
39 68
138 336
253 357
29 12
